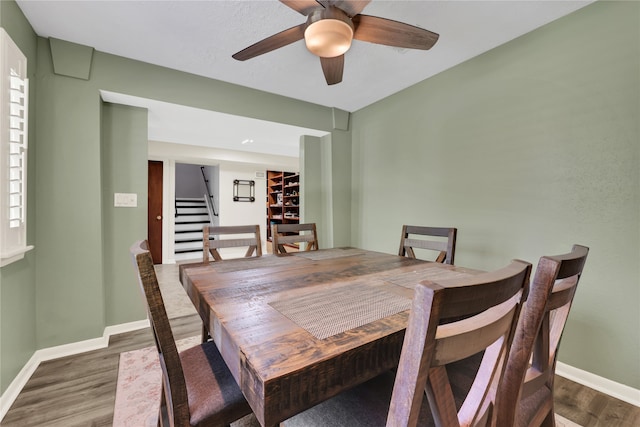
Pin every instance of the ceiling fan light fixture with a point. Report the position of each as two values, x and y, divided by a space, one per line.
328 37
329 32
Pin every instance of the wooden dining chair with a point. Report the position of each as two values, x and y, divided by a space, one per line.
532 361
197 387
422 393
245 235
250 237
440 239
302 235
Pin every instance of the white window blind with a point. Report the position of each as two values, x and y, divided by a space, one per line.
14 107
17 148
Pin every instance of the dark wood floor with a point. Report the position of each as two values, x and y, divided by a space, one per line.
589 407
80 390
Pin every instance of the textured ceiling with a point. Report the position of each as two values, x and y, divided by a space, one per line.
199 37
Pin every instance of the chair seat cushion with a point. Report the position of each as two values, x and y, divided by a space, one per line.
368 404
214 396
364 405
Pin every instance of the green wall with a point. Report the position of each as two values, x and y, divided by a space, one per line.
316 178
312 164
69 267
18 280
124 136
527 149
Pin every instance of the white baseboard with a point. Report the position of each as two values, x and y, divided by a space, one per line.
11 393
619 391
14 389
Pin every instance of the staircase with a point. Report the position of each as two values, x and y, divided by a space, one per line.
191 216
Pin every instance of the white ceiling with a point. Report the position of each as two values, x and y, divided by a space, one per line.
187 125
199 37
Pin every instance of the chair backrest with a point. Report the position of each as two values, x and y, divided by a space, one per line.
489 305
174 388
532 360
446 246
251 239
294 234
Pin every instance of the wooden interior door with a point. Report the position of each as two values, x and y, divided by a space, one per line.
154 211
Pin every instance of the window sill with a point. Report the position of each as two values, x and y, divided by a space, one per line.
13 256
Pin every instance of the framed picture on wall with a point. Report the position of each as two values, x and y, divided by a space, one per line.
244 190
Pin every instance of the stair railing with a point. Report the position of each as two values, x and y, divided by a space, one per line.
210 209
208 197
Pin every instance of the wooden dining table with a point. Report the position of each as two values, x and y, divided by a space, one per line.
299 328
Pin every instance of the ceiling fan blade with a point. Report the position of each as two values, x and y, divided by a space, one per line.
350 7
304 7
392 33
332 69
273 42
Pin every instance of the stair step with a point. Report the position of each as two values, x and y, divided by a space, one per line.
192 213
192 220
188 208
189 251
201 218
188 256
179 201
190 202
188 246
184 207
201 207
185 235
190 240
189 228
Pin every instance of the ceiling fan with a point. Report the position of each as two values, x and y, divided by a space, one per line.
331 26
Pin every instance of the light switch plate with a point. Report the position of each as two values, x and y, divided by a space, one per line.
125 200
